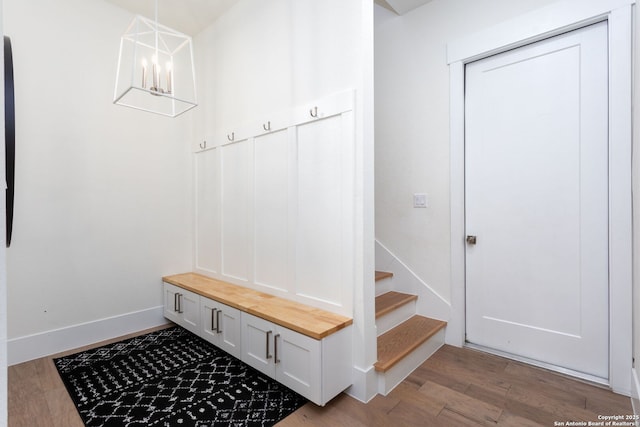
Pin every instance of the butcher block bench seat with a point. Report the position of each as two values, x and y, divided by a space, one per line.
310 321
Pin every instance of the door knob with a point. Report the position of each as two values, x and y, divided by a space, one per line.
471 240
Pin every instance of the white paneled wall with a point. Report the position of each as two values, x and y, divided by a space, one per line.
236 201
207 252
274 210
271 210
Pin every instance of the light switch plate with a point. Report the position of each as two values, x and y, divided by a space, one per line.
420 200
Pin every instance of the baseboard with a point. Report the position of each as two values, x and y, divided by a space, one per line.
34 346
365 384
635 392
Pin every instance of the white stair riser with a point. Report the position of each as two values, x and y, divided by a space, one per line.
383 286
395 317
387 381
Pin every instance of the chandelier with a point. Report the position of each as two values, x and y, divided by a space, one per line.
156 72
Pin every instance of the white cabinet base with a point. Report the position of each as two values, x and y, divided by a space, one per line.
316 369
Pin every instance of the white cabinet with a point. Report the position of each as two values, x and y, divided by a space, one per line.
182 307
301 363
317 365
220 325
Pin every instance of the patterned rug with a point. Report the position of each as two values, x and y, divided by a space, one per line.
171 378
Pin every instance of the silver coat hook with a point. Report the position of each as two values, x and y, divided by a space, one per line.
203 145
232 136
267 127
314 112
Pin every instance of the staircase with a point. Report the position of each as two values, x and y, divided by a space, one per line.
405 339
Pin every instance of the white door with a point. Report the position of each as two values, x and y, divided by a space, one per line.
536 188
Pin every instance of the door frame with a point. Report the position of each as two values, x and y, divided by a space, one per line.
540 24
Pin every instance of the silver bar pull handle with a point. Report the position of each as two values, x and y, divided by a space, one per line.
180 303
175 302
213 319
268 356
275 348
218 330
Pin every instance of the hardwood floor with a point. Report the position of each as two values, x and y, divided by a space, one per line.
455 387
462 387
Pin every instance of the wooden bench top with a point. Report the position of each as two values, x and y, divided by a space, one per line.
307 320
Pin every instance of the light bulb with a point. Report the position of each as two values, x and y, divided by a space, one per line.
144 73
169 86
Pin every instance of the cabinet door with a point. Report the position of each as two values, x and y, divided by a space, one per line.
229 330
297 360
182 307
257 344
221 325
208 311
171 311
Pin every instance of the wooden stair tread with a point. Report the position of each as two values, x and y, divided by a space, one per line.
382 275
388 302
403 339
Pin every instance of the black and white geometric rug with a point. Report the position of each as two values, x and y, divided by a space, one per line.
171 378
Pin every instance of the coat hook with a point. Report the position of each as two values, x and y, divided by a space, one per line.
314 112
232 136
267 127
203 145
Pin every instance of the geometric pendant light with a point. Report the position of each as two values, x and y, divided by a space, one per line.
156 72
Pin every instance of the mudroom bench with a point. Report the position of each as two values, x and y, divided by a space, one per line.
305 348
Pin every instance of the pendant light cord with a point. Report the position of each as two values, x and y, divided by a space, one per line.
157 58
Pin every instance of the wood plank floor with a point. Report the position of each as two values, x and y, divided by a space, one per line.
463 387
456 387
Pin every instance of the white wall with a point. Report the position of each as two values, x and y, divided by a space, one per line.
412 126
103 192
262 57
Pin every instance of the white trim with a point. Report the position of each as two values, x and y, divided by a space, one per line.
365 384
43 344
455 326
534 26
635 392
620 200
548 21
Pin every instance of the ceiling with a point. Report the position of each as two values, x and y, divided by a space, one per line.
192 16
187 16
401 6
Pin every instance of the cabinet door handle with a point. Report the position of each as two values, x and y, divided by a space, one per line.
218 330
268 356
213 319
275 348
180 303
175 302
